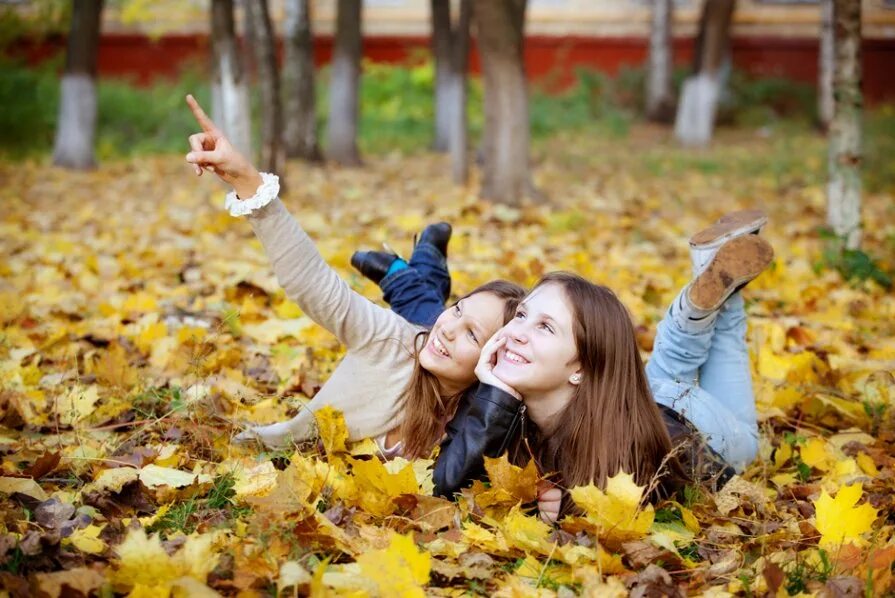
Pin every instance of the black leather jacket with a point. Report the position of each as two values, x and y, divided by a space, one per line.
488 422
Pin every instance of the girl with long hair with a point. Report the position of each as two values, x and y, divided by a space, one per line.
398 383
570 359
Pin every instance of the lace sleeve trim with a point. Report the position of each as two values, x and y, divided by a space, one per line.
266 193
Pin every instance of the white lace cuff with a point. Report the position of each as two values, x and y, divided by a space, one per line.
266 193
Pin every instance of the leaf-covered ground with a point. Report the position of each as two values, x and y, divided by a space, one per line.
141 325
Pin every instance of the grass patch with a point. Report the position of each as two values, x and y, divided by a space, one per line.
397 114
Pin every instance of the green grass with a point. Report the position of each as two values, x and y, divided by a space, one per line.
397 114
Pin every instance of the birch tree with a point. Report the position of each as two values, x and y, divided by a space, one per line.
229 88
844 157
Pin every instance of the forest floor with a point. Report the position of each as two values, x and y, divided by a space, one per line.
141 324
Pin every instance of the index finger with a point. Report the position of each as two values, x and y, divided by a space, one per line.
202 118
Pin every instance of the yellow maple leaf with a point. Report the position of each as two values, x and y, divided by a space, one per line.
145 565
509 482
332 429
839 520
377 487
484 539
526 532
616 513
399 570
142 561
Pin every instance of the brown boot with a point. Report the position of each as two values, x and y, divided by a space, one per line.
734 265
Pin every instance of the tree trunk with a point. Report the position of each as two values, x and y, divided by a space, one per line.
76 126
230 94
825 66
457 119
442 42
701 91
269 81
499 27
844 158
344 87
298 79
659 94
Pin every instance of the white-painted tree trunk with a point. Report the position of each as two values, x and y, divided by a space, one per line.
701 91
76 122
844 157
825 65
659 93
696 111
230 105
76 127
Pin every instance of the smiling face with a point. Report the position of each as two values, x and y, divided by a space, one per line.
455 342
540 356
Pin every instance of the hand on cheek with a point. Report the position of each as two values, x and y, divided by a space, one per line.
484 371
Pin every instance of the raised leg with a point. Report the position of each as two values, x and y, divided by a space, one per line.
431 263
682 344
412 296
726 374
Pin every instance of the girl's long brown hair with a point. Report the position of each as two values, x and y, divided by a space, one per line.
612 423
426 412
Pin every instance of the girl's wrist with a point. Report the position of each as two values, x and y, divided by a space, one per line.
246 185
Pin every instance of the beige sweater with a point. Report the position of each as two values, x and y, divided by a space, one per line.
371 377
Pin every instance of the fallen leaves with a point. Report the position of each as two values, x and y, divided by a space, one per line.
137 336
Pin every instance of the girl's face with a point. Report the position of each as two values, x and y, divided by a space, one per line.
452 350
540 355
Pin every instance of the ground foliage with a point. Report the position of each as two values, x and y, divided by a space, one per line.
142 324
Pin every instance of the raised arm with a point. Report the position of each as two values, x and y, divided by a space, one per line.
301 271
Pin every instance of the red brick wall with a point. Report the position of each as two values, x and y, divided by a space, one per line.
550 59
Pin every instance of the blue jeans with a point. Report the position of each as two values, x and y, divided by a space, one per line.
417 293
705 377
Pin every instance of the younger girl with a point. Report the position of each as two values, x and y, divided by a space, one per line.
398 383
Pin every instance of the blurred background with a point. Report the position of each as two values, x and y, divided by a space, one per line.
85 80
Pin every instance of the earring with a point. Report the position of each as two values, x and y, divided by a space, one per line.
575 378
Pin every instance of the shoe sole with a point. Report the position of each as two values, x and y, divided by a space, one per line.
737 262
729 226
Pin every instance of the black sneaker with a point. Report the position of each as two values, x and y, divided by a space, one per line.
373 264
